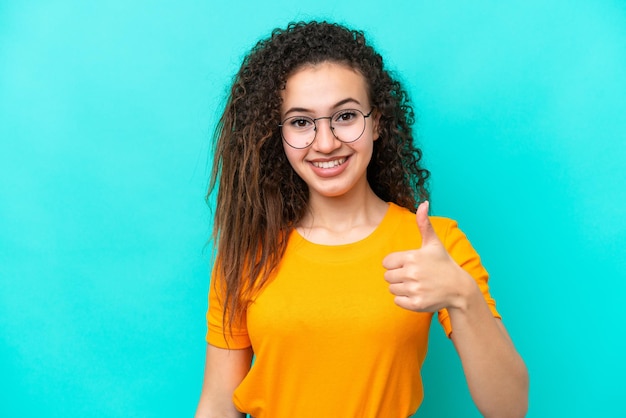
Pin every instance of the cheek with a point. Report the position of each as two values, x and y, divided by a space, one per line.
293 155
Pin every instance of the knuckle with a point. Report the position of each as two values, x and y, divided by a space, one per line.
417 303
412 256
414 288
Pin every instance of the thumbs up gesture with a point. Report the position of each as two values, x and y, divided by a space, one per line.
426 279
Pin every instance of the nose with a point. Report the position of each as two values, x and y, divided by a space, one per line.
325 140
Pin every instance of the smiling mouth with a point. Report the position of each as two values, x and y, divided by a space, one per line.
329 164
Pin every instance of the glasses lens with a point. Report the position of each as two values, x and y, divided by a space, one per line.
348 125
298 131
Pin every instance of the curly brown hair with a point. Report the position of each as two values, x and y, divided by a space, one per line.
260 197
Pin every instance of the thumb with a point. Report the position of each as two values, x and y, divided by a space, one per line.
424 225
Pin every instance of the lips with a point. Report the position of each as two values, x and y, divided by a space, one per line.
329 168
329 164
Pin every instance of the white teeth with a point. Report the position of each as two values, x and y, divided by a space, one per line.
329 164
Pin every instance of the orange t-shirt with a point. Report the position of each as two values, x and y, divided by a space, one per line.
328 339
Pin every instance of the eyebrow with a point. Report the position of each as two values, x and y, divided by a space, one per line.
339 103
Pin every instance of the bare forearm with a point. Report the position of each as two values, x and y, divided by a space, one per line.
207 408
224 370
496 374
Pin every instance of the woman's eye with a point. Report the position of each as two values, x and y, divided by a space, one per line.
347 116
300 123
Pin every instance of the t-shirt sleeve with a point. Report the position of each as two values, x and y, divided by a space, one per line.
463 253
218 336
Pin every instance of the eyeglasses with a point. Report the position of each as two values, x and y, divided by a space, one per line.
347 125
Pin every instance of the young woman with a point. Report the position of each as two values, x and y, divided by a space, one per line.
323 270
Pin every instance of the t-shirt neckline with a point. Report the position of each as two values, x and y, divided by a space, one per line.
349 251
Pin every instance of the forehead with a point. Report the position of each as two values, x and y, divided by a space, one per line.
322 86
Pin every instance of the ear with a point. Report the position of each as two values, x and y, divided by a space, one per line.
376 124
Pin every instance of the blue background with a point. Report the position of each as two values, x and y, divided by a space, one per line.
106 114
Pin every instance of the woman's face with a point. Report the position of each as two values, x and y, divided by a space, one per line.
329 167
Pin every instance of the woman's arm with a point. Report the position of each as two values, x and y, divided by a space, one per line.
428 280
223 371
496 374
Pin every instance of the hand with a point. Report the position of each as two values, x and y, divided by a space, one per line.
426 279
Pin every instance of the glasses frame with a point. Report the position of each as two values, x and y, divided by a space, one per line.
330 120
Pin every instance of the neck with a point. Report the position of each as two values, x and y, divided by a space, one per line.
342 219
